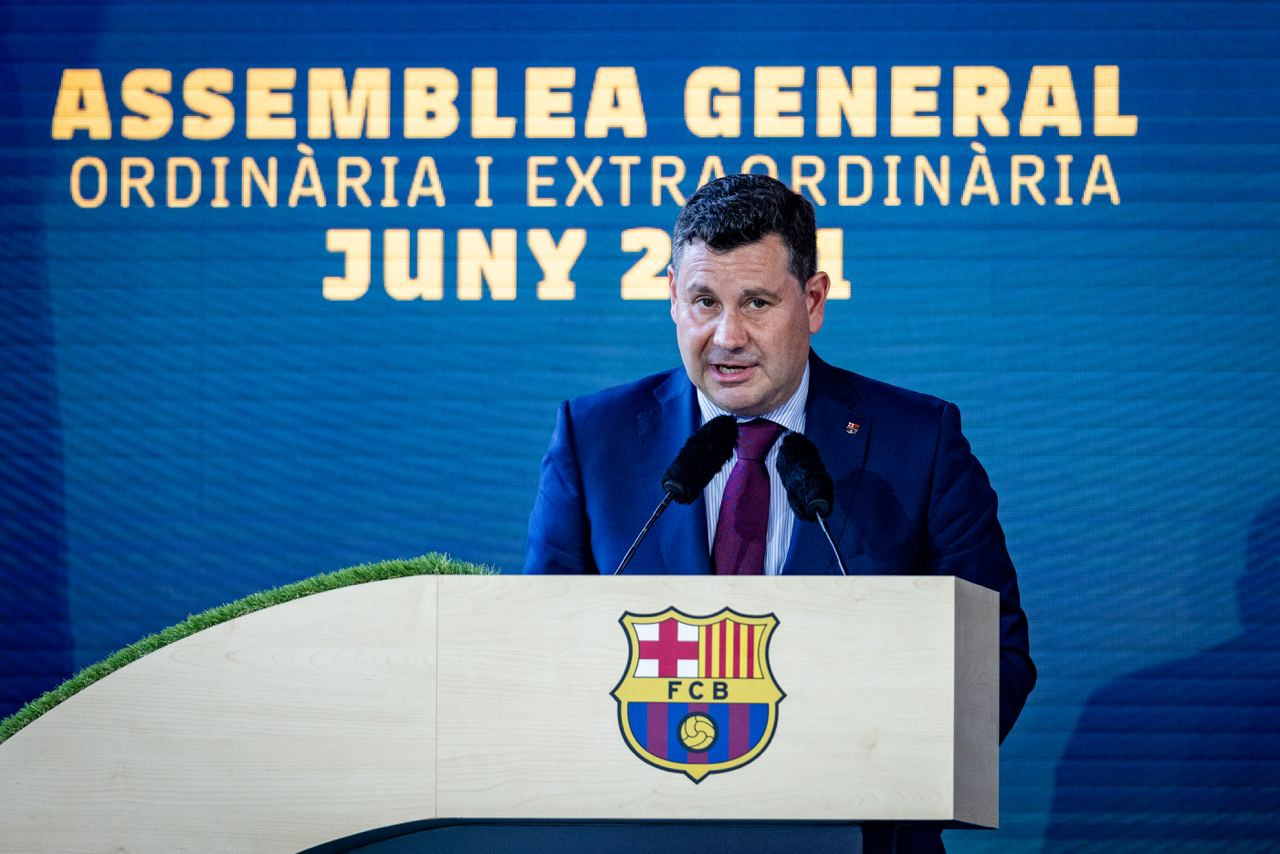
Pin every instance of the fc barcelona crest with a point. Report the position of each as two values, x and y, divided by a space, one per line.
698 696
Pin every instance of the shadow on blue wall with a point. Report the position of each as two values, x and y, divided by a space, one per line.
1186 755
35 632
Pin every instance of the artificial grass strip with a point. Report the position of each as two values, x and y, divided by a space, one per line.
428 564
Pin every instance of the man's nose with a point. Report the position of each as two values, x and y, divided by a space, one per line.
730 334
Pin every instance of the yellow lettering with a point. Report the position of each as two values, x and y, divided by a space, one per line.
712 106
356 244
1063 198
365 111
831 261
1050 102
912 97
478 264
1107 120
941 183
426 169
354 183
548 103
843 164
306 179
646 279
615 103
670 183
268 102
980 181
800 180
777 101
556 260
214 115
171 182
583 181
141 91
852 100
129 183
251 175
979 93
624 162
81 105
891 197
483 162
1100 180
429 283
389 199
429 108
1017 180
485 121
220 199
535 179
77 191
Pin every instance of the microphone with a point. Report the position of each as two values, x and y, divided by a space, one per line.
809 489
703 454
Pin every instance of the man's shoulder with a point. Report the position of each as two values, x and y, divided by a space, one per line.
865 393
629 397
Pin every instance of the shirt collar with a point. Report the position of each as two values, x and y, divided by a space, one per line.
790 414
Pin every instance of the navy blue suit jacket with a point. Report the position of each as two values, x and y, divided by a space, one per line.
910 496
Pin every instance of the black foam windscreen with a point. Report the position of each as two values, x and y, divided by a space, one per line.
704 454
809 488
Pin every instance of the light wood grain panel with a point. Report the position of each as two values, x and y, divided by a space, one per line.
866 730
279 730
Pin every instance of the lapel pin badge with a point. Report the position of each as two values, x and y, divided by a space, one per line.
852 427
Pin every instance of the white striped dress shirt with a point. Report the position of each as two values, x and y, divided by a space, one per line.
791 416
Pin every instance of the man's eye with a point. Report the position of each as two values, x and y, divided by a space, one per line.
758 303
704 302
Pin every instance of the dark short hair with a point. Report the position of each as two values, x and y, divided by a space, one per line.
737 210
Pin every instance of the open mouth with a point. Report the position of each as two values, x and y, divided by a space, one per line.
731 372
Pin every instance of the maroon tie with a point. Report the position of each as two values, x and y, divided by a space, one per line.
743 526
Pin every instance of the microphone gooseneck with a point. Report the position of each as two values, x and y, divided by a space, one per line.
703 454
810 491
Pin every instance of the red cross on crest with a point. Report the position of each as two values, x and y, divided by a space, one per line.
668 649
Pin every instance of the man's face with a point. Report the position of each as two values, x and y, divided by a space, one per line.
743 323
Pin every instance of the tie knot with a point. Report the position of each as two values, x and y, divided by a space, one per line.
755 438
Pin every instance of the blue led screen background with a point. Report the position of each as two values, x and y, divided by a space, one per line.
188 414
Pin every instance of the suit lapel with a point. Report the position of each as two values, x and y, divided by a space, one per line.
663 430
833 424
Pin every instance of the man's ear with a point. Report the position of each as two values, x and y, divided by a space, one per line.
671 289
815 297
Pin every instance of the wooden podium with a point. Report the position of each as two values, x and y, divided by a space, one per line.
492 698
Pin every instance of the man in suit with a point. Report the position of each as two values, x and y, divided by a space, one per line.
910 497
